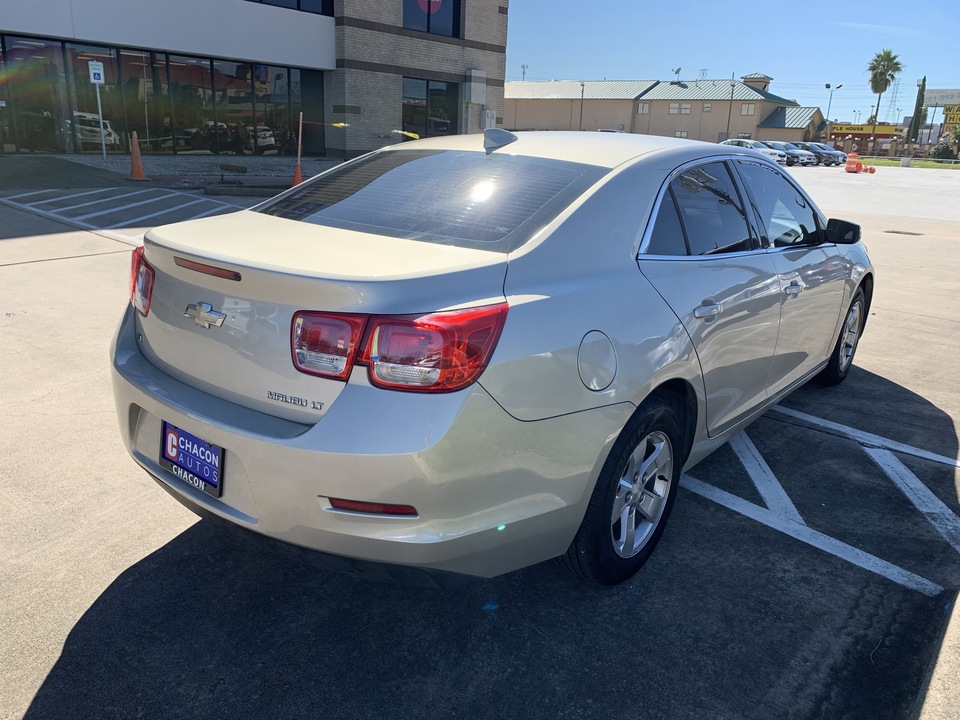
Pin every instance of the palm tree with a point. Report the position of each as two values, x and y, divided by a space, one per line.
883 70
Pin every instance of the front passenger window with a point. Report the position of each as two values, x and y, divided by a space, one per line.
785 213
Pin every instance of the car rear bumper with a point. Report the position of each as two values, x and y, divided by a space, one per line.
493 494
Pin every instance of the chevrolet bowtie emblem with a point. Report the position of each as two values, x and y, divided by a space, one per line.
204 315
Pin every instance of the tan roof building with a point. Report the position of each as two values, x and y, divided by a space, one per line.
710 110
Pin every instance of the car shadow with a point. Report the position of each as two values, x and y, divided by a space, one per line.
729 619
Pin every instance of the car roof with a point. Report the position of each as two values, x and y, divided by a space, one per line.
593 148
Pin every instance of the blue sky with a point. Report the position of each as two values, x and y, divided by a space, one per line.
801 46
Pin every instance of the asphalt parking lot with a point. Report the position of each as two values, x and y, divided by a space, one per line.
810 568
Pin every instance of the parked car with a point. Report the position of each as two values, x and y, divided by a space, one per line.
775 155
217 137
87 128
822 157
806 157
264 139
794 157
473 353
840 155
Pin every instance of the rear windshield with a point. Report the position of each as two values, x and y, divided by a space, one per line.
469 199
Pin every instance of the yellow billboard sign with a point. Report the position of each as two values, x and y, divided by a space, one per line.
881 131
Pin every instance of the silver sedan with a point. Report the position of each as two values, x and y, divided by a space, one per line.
465 355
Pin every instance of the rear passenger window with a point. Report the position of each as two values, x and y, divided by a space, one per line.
711 210
667 235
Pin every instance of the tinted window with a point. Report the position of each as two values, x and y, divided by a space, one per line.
711 210
470 199
667 235
784 211
440 17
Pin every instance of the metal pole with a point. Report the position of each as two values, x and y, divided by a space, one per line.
730 109
299 138
103 142
582 86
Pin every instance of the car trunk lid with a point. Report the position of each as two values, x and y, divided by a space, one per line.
226 290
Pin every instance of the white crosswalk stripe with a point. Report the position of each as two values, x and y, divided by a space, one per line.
114 206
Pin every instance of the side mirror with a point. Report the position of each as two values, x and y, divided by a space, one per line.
842 232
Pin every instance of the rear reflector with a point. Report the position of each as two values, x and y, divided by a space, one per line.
372 508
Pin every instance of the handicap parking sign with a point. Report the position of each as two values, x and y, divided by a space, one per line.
96 72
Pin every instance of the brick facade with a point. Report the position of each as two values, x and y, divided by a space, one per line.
375 52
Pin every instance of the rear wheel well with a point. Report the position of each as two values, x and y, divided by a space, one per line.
681 395
867 285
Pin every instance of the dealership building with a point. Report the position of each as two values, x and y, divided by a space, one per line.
233 76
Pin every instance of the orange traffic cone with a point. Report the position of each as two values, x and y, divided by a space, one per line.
872 170
297 178
136 164
852 163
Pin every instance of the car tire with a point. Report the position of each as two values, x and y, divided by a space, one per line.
632 499
841 359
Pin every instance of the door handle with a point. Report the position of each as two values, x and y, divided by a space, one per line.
707 311
793 289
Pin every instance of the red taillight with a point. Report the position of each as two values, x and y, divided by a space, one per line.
371 508
141 282
439 352
325 344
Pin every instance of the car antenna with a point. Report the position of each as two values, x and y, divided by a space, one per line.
495 138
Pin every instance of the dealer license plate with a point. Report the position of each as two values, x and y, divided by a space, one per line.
192 459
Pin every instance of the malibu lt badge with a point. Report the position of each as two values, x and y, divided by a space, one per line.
204 315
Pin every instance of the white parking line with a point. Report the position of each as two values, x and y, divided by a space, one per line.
868 438
95 202
27 194
940 516
47 214
68 197
134 221
772 492
128 206
813 537
216 209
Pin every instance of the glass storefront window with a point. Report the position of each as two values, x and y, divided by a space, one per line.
430 107
271 87
37 92
7 139
191 95
83 125
175 103
233 99
143 78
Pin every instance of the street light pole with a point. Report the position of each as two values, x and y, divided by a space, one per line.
733 86
830 101
582 86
